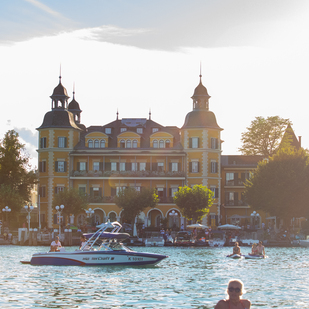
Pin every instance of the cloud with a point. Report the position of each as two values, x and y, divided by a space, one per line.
44 8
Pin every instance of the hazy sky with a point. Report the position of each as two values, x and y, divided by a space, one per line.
137 56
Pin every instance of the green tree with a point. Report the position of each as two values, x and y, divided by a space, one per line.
16 177
134 202
263 136
73 200
279 186
194 203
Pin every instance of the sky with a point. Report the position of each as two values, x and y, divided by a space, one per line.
137 56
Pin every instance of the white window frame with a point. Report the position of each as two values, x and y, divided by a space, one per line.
194 142
174 166
61 142
139 130
108 130
194 166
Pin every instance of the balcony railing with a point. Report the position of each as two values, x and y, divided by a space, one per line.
235 182
111 199
126 174
236 203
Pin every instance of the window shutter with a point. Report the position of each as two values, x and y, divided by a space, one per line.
65 166
65 142
147 166
235 198
170 192
216 167
113 191
56 166
101 166
198 142
226 198
55 218
198 166
190 167
216 192
108 166
100 192
170 166
128 166
78 166
164 192
40 166
190 142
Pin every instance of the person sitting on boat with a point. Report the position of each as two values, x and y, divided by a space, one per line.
236 249
260 248
55 245
254 250
235 290
83 241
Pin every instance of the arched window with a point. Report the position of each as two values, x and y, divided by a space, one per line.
122 144
90 143
161 143
167 143
128 143
155 144
96 143
134 143
102 143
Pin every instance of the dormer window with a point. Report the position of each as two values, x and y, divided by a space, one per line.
155 130
139 130
123 129
108 130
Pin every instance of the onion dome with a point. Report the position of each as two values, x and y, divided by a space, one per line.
74 108
201 119
200 97
60 96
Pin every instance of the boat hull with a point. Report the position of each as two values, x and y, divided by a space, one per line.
95 258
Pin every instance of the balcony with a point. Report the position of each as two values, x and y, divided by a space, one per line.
109 174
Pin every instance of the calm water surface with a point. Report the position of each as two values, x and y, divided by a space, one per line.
189 278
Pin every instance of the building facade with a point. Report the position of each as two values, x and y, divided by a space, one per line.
128 152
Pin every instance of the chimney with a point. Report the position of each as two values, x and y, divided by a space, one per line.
299 141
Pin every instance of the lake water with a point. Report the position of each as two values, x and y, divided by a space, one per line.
189 278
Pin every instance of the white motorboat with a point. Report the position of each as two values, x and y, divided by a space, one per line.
103 247
304 242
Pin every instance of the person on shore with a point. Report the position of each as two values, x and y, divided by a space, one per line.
235 290
260 248
236 249
55 245
254 250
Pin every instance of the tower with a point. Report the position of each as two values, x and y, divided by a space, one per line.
58 134
201 140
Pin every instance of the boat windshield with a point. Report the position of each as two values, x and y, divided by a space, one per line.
117 246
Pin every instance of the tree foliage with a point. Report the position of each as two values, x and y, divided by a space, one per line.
280 186
194 203
73 200
16 177
263 136
134 202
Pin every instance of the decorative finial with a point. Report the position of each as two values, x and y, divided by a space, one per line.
73 90
200 71
117 114
60 75
149 114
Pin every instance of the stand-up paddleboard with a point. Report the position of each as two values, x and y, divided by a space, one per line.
255 256
234 256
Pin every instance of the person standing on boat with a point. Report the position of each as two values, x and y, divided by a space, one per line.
55 245
261 248
83 241
234 291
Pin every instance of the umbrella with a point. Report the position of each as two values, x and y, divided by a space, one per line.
197 226
229 227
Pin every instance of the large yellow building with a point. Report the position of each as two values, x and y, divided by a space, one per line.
130 152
